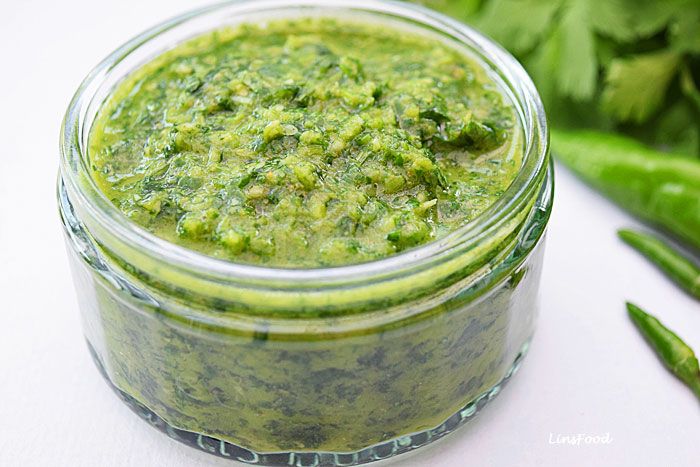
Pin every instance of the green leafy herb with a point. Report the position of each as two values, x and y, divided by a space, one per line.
521 35
628 94
614 65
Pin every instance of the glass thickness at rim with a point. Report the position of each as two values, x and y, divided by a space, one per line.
514 82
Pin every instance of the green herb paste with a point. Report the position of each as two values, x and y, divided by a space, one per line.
305 142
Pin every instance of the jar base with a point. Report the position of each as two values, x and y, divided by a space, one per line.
374 453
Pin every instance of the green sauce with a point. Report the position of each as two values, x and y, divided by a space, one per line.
305 142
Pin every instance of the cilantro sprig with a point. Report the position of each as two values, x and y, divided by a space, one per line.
631 66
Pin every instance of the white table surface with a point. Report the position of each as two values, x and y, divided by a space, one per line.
588 370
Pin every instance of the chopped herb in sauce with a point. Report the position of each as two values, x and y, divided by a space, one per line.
306 142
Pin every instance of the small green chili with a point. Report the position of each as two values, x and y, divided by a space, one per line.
658 187
676 266
676 355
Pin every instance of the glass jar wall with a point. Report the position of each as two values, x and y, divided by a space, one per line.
340 365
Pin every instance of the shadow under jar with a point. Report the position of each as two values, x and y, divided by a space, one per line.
318 366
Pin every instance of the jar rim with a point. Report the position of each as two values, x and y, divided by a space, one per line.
519 86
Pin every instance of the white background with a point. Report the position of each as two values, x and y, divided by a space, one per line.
588 370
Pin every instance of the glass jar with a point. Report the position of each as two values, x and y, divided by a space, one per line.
333 366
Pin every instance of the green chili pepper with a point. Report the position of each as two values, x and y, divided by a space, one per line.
674 353
658 187
676 266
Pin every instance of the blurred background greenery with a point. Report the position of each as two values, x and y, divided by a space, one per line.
628 66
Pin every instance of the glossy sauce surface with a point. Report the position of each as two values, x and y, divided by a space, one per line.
305 142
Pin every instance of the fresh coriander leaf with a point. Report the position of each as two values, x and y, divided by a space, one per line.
625 20
565 63
518 24
461 9
685 31
688 87
613 18
671 129
542 63
651 16
606 50
577 69
568 113
635 87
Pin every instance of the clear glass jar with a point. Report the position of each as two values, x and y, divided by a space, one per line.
334 366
